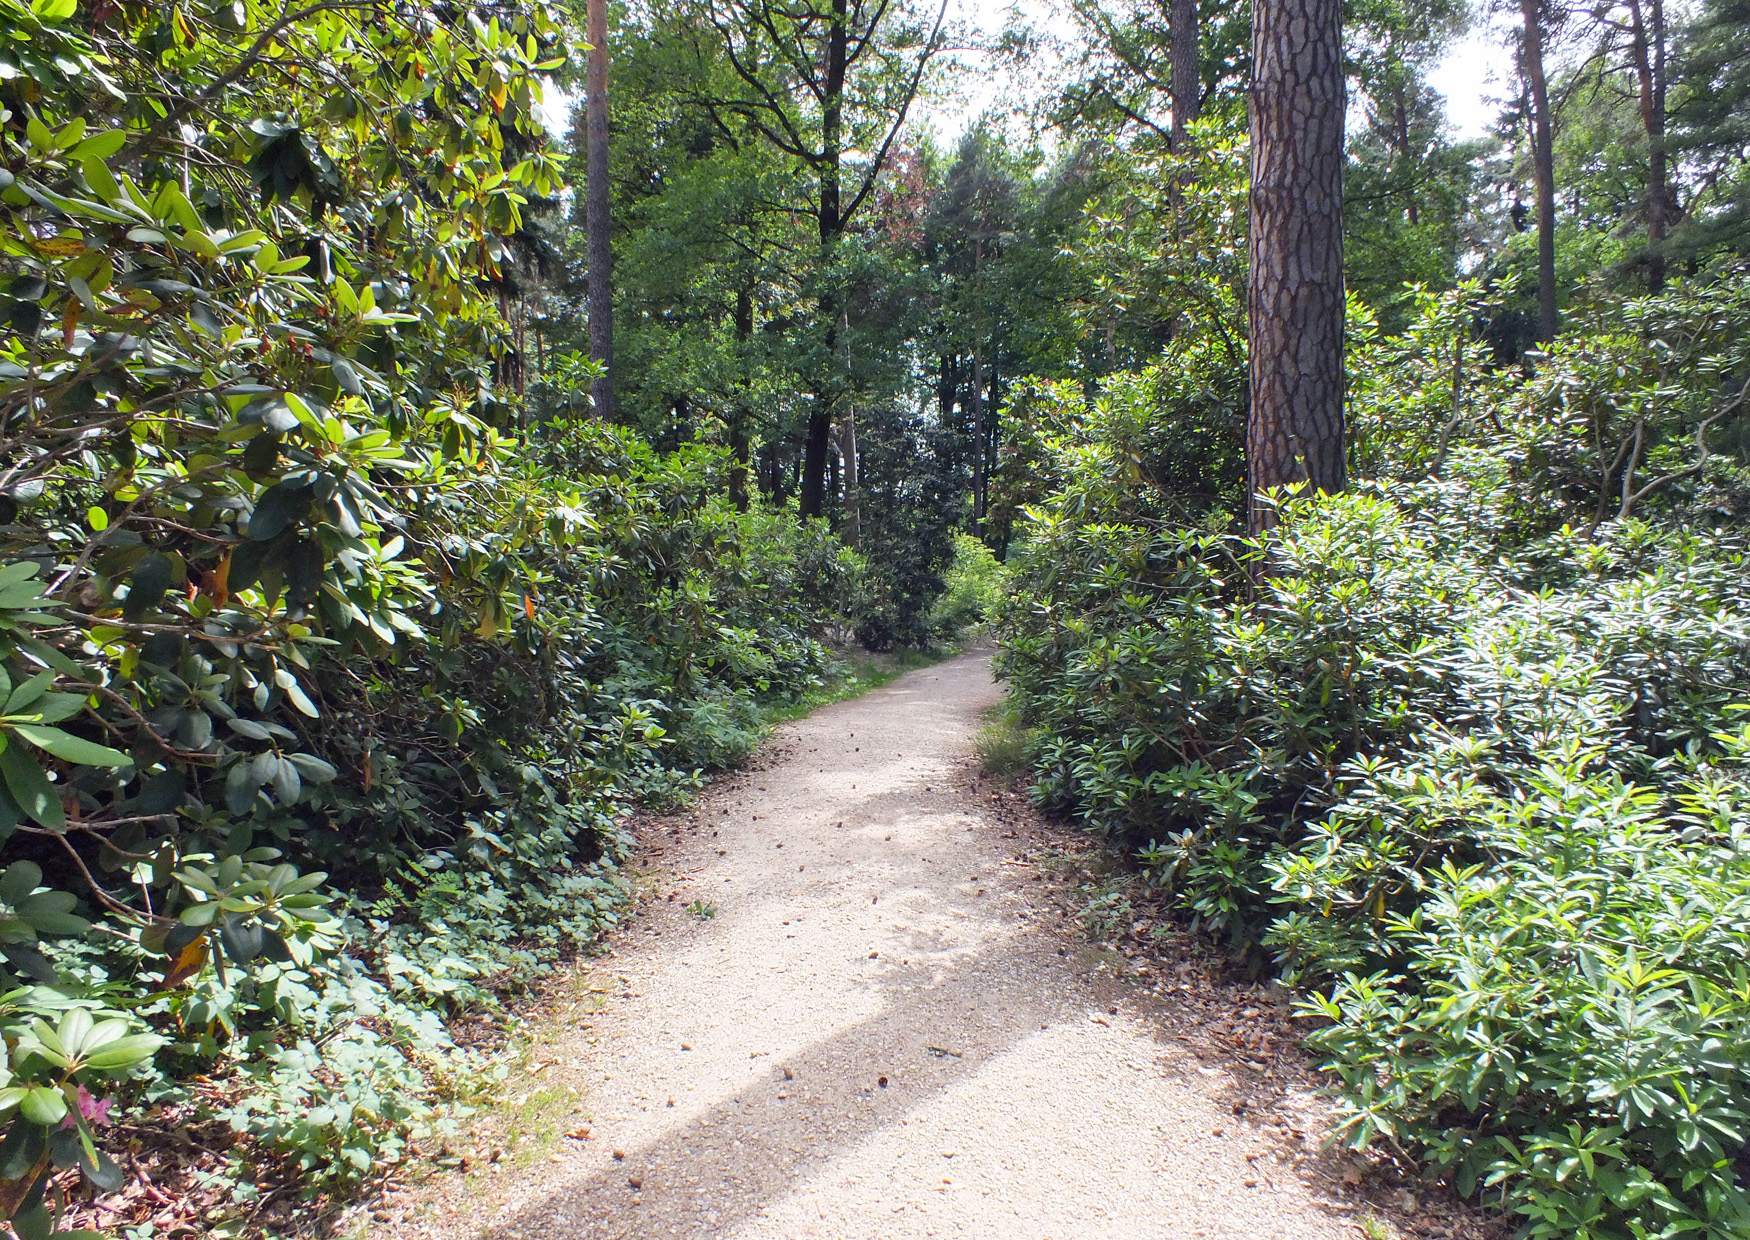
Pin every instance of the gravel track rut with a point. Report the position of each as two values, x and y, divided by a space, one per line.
844 1012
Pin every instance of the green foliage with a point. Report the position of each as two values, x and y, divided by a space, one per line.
1159 261
910 498
1710 129
1458 752
1162 443
324 677
972 588
1582 1000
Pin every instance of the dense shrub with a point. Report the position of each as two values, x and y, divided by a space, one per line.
1162 443
1459 758
324 678
972 588
1566 1010
466 811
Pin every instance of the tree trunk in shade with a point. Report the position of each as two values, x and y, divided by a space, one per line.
1185 84
1543 162
830 224
596 211
1294 428
739 414
1648 45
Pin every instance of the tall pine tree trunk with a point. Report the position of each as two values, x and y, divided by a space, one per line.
597 213
1294 430
1543 163
1185 84
1185 89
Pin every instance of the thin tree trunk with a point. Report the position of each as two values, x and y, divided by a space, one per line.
1401 136
1648 32
1294 432
1543 167
852 529
979 438
772 473
820 417
832 477
597 212
977 401
988 449
738 414
521 333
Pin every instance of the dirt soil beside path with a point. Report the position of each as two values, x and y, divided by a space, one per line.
852 1006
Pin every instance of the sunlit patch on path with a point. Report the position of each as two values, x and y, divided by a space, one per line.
843 1015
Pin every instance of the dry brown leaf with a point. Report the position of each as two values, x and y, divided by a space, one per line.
188 962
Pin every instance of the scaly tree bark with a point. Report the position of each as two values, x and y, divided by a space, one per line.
1185 78
1185 89
1294 430
1542 163
597 211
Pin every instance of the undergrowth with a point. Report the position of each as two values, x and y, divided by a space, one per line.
1466 765
854 673
1003 744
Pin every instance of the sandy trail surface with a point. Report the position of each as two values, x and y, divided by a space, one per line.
845 1012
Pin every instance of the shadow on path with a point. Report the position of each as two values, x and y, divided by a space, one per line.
723 1166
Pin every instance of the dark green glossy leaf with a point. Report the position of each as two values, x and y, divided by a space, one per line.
280 507
147 585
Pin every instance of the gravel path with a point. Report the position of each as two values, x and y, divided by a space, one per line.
847 1012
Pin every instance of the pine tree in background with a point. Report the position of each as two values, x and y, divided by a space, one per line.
1710 129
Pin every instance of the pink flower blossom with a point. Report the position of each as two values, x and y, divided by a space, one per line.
95 1110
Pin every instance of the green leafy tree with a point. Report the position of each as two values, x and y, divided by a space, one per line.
817 83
